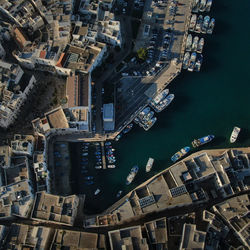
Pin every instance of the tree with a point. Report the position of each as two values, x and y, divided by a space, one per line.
142 54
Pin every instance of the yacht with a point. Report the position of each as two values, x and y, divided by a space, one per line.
195 43
189 42
202 6
97 191
186 60
192 22
205 24
208 5
211 26
192 61
132 174
200 45
234 134
149 164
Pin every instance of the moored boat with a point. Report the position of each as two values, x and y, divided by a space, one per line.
192 22
149 164
186 60
199 24
111 166
180 154
97 191
195 6
132 174
201 141
189 42
205 24
192 61
234 134
200 45
118 137
202 6
128 128
211 26
208 5
98 167
119 194
149 124
195 43
197 66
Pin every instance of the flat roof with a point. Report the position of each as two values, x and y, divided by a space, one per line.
57 118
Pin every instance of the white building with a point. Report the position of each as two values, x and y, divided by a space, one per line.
108 117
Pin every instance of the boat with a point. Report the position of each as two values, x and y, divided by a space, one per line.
89 178
132 174
201 141
118 137
199 24
192 61
195 6
180 154
208 5
144 112
186 60
147 117
107 143
149 164
197 66
234 134
128 128
202 6
192 22
97 191
98 153
163 104
98 167
111 166
205 24
85 154
88 182
119 194
211 26
150 123
200 45
195 43
189 42
159 97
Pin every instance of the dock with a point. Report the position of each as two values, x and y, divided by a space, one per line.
104 166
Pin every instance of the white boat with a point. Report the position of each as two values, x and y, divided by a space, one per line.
197 66
202 7
211 26
186 60
119 194
192 62
205 24
195 43
234 134
144 112
195 6
97 191
150 123
160 96
193 22
208 5
132 174
199 24
149 164
200 45
111 166
189 42
98 167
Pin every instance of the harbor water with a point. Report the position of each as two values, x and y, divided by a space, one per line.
212 101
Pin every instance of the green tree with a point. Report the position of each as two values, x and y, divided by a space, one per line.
142 54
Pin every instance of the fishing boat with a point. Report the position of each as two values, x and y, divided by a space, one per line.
97 191
205 24
195 6
192 61
200 45
202 6
189 42
150 124
159 97
211 26
195 43
199 24
208 5
144 112
98 167
201 141
132 174
186 60
111 166
192 22
197 66
119 194
180 154
128 128
149 164
234 134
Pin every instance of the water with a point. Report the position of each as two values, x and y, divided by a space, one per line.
210 102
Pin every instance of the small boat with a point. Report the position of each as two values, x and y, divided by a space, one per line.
98 153
186 60
208 5
195 6
205 24
119 194
97 191
128 128
118 137
192 61
132 174
111 166
189 42
149 164
98 167
108 143
195 43
200 45
199 24
201 141
98 157
211 26
234 134
89 178
197 66
149 124
85 154
88 182
86 143
180 154
192 22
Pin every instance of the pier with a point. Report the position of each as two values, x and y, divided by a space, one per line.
104 165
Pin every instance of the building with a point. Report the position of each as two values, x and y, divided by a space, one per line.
108 117
127 238
23 145
192 238
55 208
5 155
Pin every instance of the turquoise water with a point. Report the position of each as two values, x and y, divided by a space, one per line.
210 102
